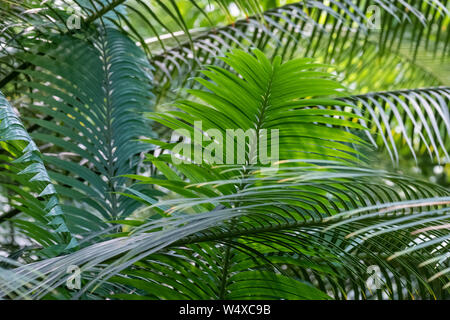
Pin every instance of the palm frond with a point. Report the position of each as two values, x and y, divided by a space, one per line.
310 25
90 114
23 172
422 232
237 229
262 236
271 95
414 121
25 22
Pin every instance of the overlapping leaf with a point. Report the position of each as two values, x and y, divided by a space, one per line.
24 173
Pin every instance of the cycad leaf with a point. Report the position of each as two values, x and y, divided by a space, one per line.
263 226
414 121
92 112
26 161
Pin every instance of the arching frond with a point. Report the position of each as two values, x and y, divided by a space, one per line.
311 25
24 173
243 227
90 114
263 236
415 120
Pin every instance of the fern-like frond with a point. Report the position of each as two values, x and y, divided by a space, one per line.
90 114
275 227
24 173
270 231
415 121
312 25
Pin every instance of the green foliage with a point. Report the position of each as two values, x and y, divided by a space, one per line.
96 175
338 32
414 121
92 116
37 195
269 96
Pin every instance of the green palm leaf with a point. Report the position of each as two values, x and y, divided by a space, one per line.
312 26
413 121
24 173
245 234
92 114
